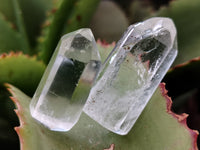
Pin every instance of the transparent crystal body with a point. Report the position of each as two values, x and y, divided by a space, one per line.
131 74
66 83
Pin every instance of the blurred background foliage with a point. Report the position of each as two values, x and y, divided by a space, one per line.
34 27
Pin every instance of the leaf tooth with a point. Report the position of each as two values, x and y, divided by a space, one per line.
182 119
3 55
17 54
10 24
196 59
20 54
18 110
46 24
54 10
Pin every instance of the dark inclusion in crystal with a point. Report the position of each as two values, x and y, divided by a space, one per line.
69 72
151 49
80 42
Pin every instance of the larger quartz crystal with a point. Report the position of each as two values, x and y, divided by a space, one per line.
67 81
132 73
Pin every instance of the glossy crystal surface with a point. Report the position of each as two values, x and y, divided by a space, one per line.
66 83
132 73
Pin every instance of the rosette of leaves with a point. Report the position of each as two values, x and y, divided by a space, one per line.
30 31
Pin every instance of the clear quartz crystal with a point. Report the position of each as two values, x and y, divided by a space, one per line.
131 74
66 83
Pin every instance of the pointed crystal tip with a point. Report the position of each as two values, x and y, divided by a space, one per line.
80 45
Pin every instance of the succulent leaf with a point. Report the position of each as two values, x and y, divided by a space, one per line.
156 128
21 70
183 83
33 15
81 15
26 17
20 25
54 26
9 38
104 49
7 10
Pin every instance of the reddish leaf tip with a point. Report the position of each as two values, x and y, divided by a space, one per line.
18 54
182 119
8 86
54 10
18 113
185 63
46 24
18 110
18 129
14 54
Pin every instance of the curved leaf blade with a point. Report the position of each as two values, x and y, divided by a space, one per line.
157 128
9 38
21 70
55 26
33 15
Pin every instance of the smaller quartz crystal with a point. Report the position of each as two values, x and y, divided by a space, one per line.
66 83
131 74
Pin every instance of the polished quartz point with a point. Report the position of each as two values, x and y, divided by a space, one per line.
131 74
66 83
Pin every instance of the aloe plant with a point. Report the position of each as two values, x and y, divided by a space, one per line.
30 30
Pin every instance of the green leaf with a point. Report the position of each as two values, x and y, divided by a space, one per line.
81 15
104 49
33 15
9 38
53 28
27 17
21 70
20 25
7 10
62 13
186 17
183 84
157 128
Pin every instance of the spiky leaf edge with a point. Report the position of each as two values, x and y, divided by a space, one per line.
182 119
17 58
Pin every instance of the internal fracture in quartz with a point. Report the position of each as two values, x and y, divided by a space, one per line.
66 83
132 72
